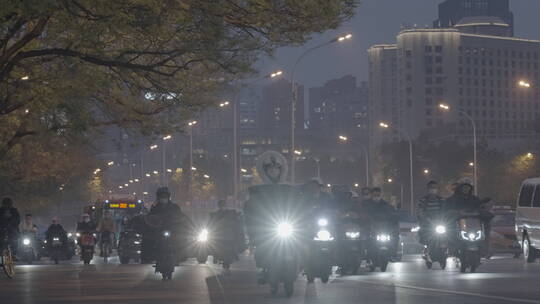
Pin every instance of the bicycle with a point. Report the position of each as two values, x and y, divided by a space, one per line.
6 257
106 245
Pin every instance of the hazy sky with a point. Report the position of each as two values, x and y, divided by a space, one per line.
378 21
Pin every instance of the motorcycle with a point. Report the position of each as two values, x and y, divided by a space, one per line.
352 243
202 246
380 251
281 258
470 240
27 248
437 249
319 262
55 248
87 243
129 246
166 257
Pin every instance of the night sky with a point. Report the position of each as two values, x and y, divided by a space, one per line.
378 21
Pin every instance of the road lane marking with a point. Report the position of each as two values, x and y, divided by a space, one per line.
453 292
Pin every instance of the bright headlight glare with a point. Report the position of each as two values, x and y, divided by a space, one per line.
323 222
166 234
26 242
383 237
284 230
70 234
56 239
352 234
415 229
203 236
324 236
440 229
78 234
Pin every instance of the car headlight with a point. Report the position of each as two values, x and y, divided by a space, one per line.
383 237
352 234
324 236
440 229
322 222
26 242
203 236
166 234
284 230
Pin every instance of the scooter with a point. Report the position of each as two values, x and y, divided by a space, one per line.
470 239
27 247
166 258
352 243
319 261
129 247
87 244
380 251
437 249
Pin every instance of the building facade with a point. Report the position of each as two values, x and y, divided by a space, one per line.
493 79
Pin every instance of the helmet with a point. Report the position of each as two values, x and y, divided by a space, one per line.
161 191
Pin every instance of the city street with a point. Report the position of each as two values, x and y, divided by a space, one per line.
501 280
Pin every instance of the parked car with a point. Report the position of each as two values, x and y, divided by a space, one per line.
503 238
528 219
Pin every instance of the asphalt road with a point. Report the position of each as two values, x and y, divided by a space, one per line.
501 280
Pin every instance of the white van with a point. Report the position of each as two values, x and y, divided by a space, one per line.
528 219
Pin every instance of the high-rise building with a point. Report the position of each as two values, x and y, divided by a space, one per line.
452 12
493 79
275 109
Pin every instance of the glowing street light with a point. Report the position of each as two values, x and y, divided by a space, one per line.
471 164
524 84
224 104
97 171
126 185
530 155
426 171
390 180
297 152
167 137
110 163
192 123
120 187
148 174
169 170
243 170
206 176
444 106
193 169
26 77
345 37
136 180
145 193
343 138
384 125
276 74
131 181
356 185
156 173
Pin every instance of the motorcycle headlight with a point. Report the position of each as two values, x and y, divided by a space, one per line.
415 229
440 229
166 234
322 222
284 230
324 236
352 234
70 235
137 235
383 237
26 242
78 234
136 242
471 236
203 236
56 239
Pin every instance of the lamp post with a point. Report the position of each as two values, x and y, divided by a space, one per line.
344 138
411 172
190 180
447 108
294 96
164 178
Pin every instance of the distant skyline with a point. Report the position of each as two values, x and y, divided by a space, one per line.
376 22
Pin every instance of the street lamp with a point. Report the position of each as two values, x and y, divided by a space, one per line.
390 180
385 125
426 171
446 107
524 84
530 155
344 138
153 147
224 104
294 95
110 163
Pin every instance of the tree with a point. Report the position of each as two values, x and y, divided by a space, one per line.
70 68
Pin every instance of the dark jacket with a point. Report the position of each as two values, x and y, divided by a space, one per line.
381 211
56 230
430 206
9 218
86 227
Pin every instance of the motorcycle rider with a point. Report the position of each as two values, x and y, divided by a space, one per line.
86 225
164 214
28 225
464 201
381 211
55 229
227 225
106 226
314 195
10 220
430 207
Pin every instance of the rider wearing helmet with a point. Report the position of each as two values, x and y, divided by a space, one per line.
430 207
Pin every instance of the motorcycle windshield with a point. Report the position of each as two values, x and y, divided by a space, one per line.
470 224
